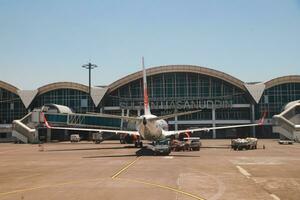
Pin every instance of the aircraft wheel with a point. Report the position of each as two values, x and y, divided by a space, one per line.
138 144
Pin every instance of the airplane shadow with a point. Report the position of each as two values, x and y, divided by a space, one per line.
134 155
91 149
112 156
141 152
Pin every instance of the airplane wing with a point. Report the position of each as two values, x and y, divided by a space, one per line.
140 119
115 116
175 114
90 129
169 133
96 130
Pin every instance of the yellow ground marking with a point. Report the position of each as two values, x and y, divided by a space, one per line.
164 187
2 194
151 184
126 167
30 176
66 183
22 190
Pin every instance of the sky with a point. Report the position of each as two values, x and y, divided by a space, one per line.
43 41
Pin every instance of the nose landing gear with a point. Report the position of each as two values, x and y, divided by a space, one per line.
144 121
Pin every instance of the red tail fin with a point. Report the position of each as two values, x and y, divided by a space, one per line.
262 119
146 98
45 121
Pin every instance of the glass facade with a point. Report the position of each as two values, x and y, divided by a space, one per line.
182 91
77 100
275 98
169 92
11 107
177 85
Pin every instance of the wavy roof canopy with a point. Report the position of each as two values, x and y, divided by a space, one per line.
96 93
63 85
282 80
9 87
150 72
178 68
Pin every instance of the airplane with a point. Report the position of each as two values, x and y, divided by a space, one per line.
148 126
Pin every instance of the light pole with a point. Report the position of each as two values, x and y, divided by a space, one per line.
89 66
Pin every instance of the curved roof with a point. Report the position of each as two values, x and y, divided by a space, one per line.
178 68
58 108
8 87
291 104
63 85
282 80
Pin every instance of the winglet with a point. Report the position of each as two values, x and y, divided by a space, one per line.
261 121
45 121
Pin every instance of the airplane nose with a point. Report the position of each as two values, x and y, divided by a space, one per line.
144 121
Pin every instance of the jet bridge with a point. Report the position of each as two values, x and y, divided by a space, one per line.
287 123
26 129
81 120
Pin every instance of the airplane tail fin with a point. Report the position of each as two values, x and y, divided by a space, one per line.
146 98
262 119
45 121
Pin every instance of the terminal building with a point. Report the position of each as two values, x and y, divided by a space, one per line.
222 98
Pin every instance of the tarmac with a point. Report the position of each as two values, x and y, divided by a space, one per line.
113 171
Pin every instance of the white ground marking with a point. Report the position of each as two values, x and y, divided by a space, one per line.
275 197
243 171
178 184
8 151
262 160
258 161
221 189
169 157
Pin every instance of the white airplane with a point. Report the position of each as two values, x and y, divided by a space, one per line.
149 127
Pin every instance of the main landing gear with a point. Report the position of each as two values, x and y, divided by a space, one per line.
138 144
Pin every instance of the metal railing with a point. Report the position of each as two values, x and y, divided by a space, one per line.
22 132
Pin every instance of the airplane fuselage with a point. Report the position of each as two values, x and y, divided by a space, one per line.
152 130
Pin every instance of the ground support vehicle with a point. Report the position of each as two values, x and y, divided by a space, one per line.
75 138
247 143
189 144
97 138
177 145
162 147
194 144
